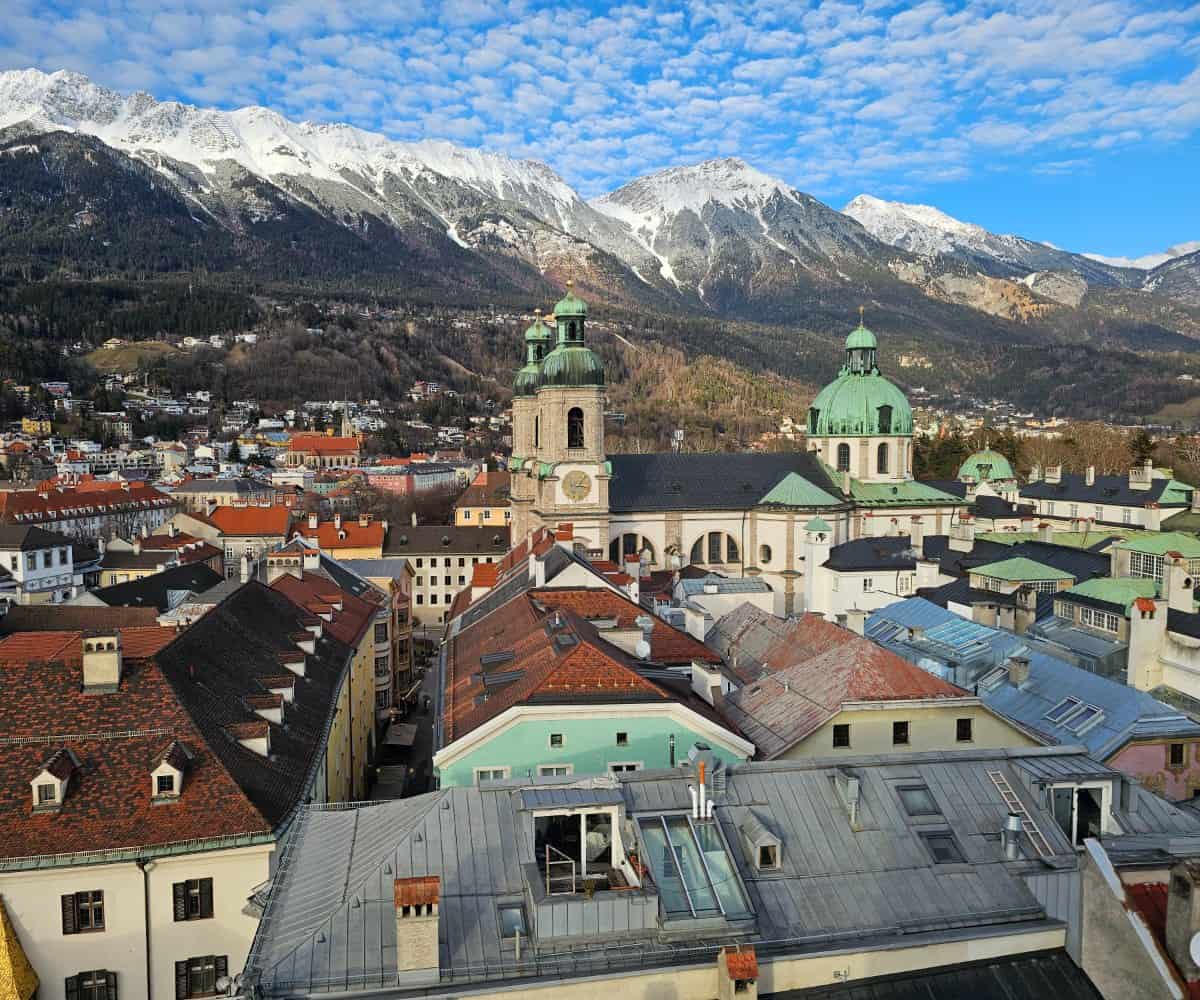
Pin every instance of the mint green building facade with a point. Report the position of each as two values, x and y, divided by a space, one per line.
530 741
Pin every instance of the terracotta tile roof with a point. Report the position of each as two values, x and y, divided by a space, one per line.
62 502
323 444
742 962
349 624
485 574
1150 901
252 521
72 618
668 644
137 642
488 489
356 536
420 891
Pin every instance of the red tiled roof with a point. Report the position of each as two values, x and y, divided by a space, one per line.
348 624
488 489
485 574
1150 901
357 536
254 521
741 962
323 444
668 644
108 803
57 502
421 891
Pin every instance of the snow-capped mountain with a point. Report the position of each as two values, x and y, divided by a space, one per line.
726 232
1150 260
929 232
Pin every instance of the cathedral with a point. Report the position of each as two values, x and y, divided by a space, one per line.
764 515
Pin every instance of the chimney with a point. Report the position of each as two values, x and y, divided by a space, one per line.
856 620
1141 476
846 483
414 518
1010 837
916 533
364 520
171 531
337 521
1025 613
244 568
1045 532
962 534
1035 473
1018 670
1153 517
1178 583
312 522
1090 476
416 902
1183 917
1053 474
101 660
1196 501
737 973
633 566
137 545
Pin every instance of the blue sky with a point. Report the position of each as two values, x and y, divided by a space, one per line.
1072 121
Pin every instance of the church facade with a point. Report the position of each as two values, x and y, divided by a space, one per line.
766 515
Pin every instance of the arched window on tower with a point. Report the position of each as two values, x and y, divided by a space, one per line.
813 416
885 420
843 457
575 427
537 431
881 461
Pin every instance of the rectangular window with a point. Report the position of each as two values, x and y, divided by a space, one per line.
433 598
622 739
512 920
446 581
381 632
420 598
164 784
47 793
964 730
1176 755
556 740
98 985
420 564
82 912
841 735
868 584
943 847
918 801
1146 565
485 774
554 770
900 734
1074 510
1101 620
193 899
1126 516
197 977
618 768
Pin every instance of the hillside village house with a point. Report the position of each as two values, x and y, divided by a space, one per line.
148 775
740 514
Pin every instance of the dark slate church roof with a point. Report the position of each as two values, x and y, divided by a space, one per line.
706 480
1111 490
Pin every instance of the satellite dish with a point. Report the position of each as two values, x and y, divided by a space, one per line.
642 649
1194 948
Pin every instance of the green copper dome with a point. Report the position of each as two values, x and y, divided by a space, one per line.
861 339
986 465
570 304
860 402
571 365
538 332
527 380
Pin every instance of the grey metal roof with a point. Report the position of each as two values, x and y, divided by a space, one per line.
724 584
1125 713
330 924
543 798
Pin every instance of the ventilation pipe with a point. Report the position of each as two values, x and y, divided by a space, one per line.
702 790
1010 837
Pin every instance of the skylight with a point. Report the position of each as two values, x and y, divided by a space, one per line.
1064 708
692 868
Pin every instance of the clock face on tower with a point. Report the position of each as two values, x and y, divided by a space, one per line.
576 485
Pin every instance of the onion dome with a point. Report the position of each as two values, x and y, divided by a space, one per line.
571 365
860 402
570 304
538 338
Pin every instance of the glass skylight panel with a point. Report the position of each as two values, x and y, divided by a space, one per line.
721 871
1064 708
692 868
1084 719
918 801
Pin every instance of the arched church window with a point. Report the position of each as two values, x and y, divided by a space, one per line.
881 461
575 427
731 550
885 420
764 554
843 457
697 556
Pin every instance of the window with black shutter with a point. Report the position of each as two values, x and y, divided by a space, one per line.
82 912
193 899
99 984
198 976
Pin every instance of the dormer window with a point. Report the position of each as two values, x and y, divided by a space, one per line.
47 794
166 776
164 784
49 788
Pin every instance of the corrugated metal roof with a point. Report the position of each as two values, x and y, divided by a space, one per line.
542 798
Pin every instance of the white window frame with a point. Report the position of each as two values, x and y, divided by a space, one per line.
1146 566
1103 621
549 770
562 741
505 772
1106 822
625 766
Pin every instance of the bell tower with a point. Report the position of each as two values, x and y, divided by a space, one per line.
571 469
526 424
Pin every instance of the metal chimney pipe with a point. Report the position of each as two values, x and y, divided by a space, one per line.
1010 837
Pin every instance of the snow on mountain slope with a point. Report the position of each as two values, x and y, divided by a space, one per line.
927 231
1150 260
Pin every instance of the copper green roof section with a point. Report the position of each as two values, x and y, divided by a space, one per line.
1068 539
570 304
1176 492
1120 592
906 494
571 365
514 463
861 339
1021 570
986 465
793 490
860 405
1159 543
817 524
